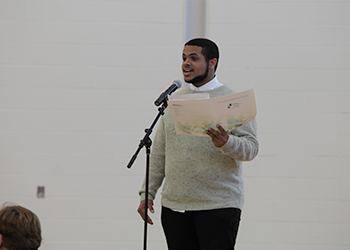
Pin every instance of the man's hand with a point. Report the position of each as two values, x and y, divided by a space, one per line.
218 139
142 212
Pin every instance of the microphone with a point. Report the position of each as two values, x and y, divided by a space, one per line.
164 96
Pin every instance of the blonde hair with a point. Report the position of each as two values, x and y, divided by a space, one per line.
20 228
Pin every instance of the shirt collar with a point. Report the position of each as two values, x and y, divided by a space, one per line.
213 84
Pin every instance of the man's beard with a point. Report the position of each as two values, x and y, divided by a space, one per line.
200 78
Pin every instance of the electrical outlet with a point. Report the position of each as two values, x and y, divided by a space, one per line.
40 192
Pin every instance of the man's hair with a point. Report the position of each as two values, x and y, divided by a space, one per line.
20 228
209 49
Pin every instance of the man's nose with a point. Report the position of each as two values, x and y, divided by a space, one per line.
186 62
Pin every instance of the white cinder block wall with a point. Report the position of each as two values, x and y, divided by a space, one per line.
295 54
77 85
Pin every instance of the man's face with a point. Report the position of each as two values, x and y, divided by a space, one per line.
194 66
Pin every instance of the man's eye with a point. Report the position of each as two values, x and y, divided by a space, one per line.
194 58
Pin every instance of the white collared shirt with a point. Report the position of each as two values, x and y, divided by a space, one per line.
213 84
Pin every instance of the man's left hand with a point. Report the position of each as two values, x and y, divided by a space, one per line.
218 139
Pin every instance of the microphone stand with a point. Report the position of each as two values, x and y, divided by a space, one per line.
146 141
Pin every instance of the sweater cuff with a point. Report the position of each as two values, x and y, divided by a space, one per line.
143 196
226 148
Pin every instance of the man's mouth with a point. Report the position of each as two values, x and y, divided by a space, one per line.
187 72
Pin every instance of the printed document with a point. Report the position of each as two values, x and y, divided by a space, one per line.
195 116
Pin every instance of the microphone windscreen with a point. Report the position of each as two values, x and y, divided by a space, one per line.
177 83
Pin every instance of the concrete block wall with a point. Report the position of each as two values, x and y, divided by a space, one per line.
295 54
77 85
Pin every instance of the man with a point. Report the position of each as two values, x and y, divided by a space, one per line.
203 192
19 229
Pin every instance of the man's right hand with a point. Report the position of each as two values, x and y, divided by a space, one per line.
141 210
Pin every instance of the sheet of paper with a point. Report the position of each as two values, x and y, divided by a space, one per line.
199 96
194 117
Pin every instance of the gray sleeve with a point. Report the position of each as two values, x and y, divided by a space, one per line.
243 144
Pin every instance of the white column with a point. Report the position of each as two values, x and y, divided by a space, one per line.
195 19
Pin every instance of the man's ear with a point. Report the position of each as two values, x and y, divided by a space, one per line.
212 63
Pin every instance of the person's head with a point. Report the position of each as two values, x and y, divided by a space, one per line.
200 60
19 228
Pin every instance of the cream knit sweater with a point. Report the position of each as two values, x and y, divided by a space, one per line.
197 175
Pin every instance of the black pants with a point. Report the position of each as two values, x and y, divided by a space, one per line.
201 230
